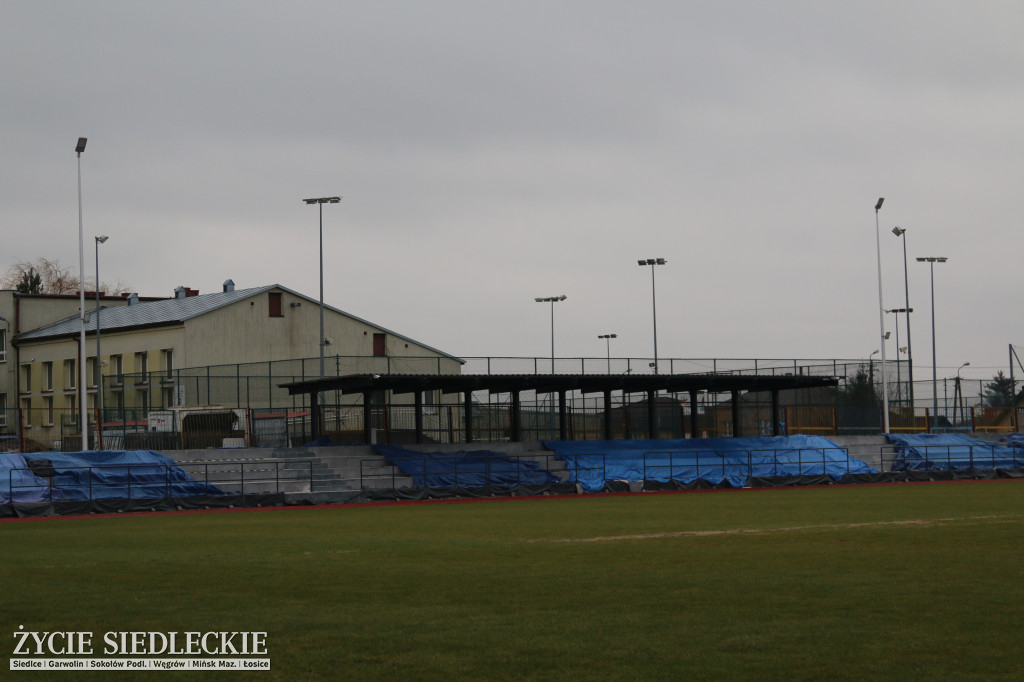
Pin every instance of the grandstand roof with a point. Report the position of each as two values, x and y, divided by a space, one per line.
553 383
544 383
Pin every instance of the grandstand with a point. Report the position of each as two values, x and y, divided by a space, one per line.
103 481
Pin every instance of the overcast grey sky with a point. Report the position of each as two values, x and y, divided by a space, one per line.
492 152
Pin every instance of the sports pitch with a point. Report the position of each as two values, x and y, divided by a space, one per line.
900 582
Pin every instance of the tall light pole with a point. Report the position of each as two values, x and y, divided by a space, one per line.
102 239
881 320
931 261
321 201
902 232
959 391
896 319
552 300
654 301
82 399
608 346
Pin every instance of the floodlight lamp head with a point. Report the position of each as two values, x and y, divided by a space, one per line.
642 262
539 300
102 239
660 261
898 231
562 297
80 147
878 206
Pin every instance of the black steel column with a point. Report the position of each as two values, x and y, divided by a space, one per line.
693 414
562 417
516 419
735 414
776 426
314 415
419 417
467 411
607 414
652 422
367 418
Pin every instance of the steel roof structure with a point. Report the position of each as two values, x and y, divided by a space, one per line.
514 384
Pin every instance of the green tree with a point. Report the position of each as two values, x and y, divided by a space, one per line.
859 389
1000 391
31 283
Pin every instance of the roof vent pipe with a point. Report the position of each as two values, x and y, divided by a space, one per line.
229 285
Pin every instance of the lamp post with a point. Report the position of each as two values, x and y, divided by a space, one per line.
902 232
899 379
871 373
321 201
643 262
881 320
959 391
552 300
608 346
102 239
931 261
82 400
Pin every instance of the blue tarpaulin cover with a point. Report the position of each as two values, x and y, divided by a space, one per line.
714 460
118 474
18 483
465 469
953 451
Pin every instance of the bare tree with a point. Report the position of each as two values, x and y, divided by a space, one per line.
45 276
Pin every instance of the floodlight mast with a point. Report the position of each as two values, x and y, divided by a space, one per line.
82 395
881 320
321 201
552 300
643 262
932 260
608 347
902 232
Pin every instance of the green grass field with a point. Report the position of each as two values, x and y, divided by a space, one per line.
901 582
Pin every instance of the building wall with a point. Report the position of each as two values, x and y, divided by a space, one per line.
243 332
24 312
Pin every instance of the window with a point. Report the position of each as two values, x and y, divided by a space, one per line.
275 304
142 367
48 376
168 362
26 378
3 410
142 400
91 375
3 345
117 369
70 376
48 410
380 345
168 396
26 411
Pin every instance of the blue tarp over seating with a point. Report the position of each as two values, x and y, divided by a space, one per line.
953 452
465 469
19 484
714 460
118 474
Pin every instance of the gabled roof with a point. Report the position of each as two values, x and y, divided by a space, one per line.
176 311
